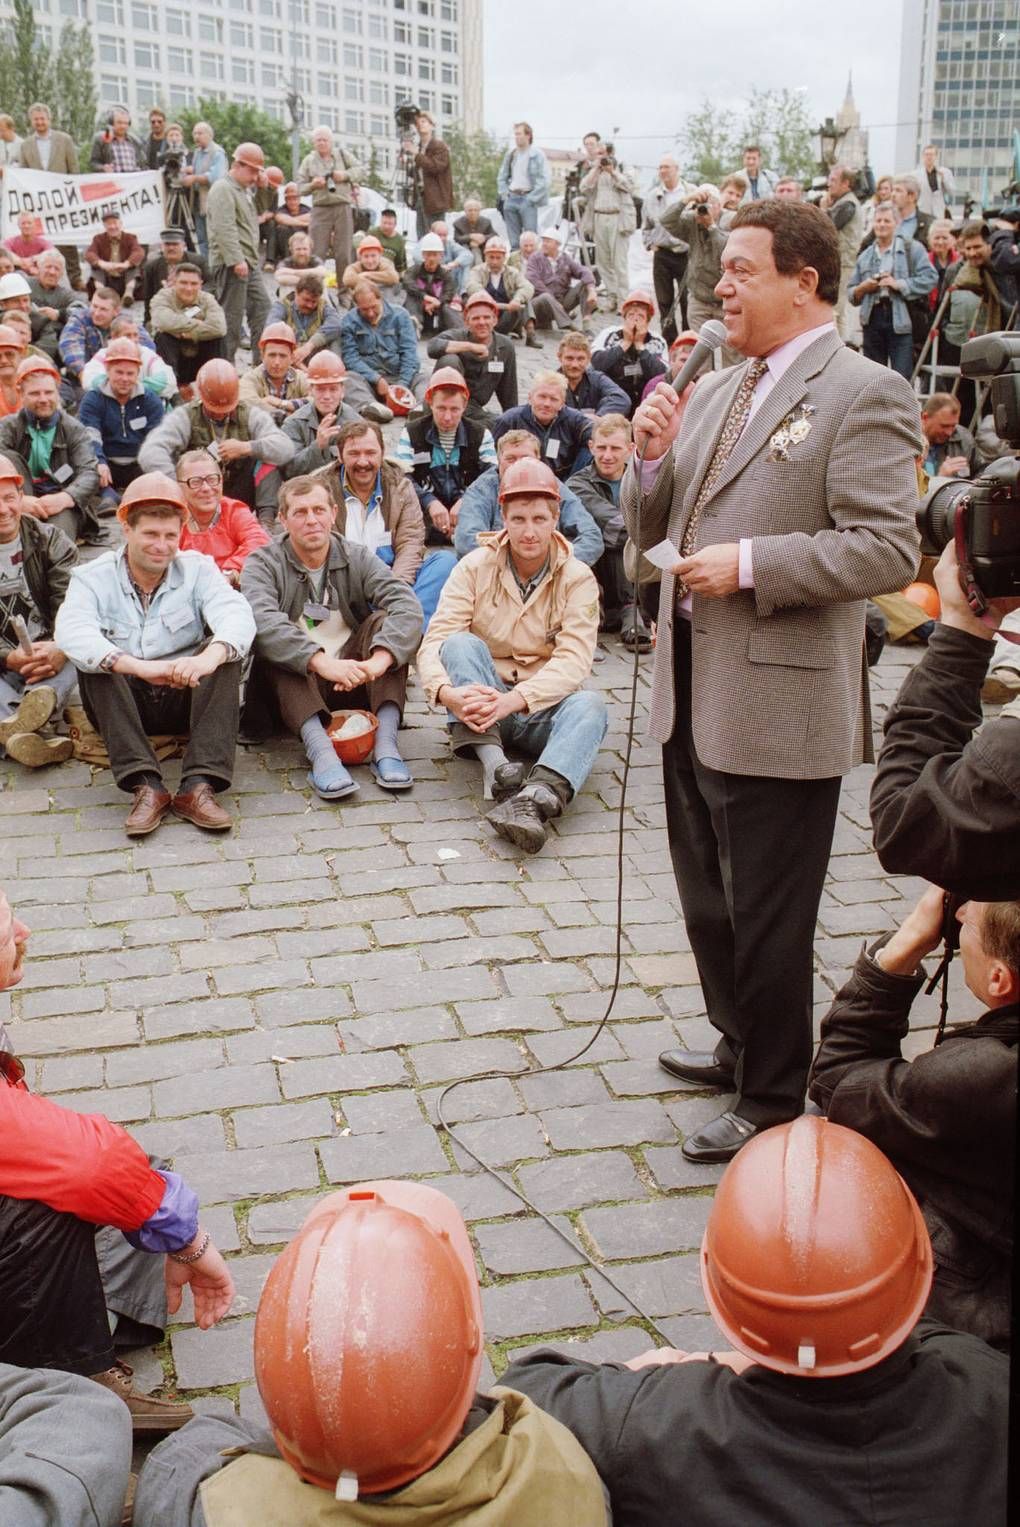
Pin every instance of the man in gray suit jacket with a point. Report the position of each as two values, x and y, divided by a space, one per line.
44 148
790 497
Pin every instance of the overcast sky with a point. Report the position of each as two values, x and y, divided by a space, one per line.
568 68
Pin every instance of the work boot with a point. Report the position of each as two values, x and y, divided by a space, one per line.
34 752
531 339
522 818
150 807
34 710
507 780
377 412
148 1414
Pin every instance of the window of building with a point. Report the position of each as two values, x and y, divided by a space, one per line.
352 22
74 8
242 71
449 106
146 55
426 68
449 74
352 122
272 75
377 26
402 32
377 60
426 37
325 16
327 50
112 50
378 93
298 12
210 28
378 127
112 87
178 23
148 93
211 66
426 100
329 117
242 35
181 95
110 11
179 60
448 42
326 84
425 8
402 63
448 10
354 88
354 55
271 40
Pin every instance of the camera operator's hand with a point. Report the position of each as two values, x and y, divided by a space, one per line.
956 611
954 466
919 933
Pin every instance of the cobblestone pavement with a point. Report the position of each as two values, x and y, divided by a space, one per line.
277 1011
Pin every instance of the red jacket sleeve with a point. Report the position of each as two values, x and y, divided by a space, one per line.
244 530
80 1164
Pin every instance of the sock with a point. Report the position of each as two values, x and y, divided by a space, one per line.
143 777
388 717
328 773
490 755
193 781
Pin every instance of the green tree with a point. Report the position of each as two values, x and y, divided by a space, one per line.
711 150
778 121
233 123
74 87
474 161
26 65
373 176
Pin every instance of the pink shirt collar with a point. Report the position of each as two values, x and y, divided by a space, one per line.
783 356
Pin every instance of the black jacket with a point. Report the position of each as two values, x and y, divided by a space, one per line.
629 368
947 1122
71 448
563 444
482 382
49 555
596 495
946 804
920 1440
452 480
462 231
600 393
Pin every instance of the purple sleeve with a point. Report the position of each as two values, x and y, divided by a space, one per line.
175 1222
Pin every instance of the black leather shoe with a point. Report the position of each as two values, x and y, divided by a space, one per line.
697 1066
722 1139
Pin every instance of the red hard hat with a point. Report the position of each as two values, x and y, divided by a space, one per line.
528 476
447 376
251 155
369 242
644 298
217 384
477 298
123 349
8 471
9 339
152 488
274 175
279 333
368 1338
816 1260
325 368
400 398
30 365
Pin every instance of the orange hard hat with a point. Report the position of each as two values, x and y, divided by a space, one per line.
400 398
638 296
325 368
10 339
447 376
368 1338
30 365
369 242
217 384
152 488
123 349
528 476
251 155
8 471
925 596
274 175
816 1259
478 299
279 333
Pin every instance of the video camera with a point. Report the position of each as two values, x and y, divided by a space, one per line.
406 115
982 515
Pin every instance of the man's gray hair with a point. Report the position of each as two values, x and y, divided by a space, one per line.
909 183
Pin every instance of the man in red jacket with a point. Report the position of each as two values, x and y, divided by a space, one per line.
62 1175
223 528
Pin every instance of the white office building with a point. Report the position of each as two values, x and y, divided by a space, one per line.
960 89
353 60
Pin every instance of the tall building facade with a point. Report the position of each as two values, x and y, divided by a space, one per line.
353 61
960 89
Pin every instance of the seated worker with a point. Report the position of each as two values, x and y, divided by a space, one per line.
12 353
380 349
158 270
457 260
275 385
949 449
158 636
471 230
480 510
36 559
444 453
222 528
52 300
313 316
562 433
598 488
486 358
336 630
429 290
156 376
239 436
679 350
355 1428
561 284
313 427
839 1405
27 245
509 289
631 356
526 247
591 392
52 451
117 417
115 258
291 216
506 654
947 1118
297 261
371 264
394 244
945 801
188 324
378 507
87 330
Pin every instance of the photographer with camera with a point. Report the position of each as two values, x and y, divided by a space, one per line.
669 254
434 177
608 219
695 220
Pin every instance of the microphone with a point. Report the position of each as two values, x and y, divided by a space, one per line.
712 336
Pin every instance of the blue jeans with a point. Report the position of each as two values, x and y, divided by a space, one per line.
565 738
433 573
881 343
518 213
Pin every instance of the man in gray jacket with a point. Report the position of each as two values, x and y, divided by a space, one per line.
313 427
234 247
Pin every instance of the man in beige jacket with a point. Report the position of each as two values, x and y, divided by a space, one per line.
506 653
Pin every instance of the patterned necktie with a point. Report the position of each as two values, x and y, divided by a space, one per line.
731 433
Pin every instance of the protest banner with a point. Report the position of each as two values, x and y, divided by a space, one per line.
71 207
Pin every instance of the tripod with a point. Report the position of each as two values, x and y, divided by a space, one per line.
179 214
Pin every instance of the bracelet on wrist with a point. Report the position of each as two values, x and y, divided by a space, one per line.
193 1256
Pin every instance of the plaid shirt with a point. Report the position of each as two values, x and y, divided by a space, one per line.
123 157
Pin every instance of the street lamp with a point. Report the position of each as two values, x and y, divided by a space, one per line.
826 138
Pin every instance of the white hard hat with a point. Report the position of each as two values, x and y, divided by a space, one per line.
552 233
431 244
14 285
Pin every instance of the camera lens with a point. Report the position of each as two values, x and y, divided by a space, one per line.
936 515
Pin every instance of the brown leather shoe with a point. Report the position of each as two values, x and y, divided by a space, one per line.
149 809
201 807
148 1414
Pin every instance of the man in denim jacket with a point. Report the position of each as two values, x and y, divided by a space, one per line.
522 184
890 273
